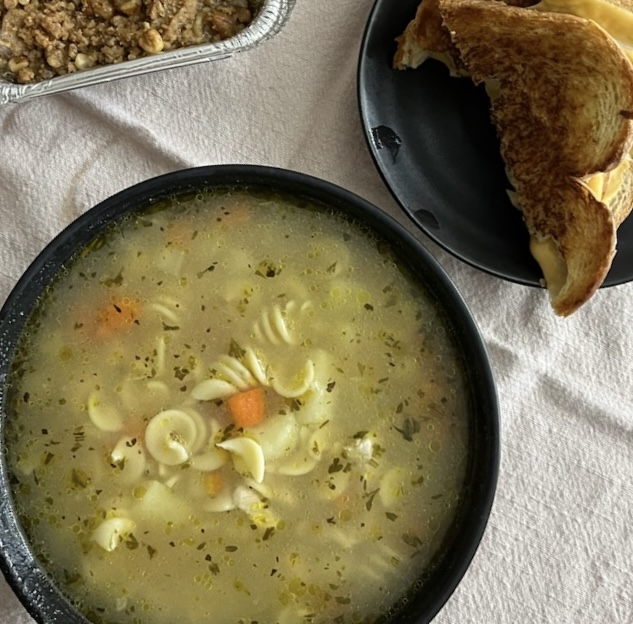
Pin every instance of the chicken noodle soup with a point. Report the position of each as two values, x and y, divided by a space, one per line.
236 407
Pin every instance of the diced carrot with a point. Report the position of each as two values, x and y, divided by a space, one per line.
248 408
235 211
179 233
118 315
213 483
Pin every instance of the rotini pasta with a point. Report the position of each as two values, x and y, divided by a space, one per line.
174 435
103 414
129 455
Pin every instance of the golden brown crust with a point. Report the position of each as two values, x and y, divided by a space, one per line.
563 119
573 111
426 36
560 115
583 229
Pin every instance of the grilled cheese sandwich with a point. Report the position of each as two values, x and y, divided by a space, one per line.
561 91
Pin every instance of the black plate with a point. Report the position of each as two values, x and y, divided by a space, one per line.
432 140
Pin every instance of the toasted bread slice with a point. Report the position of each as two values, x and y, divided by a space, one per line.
562 117
426 37
614 188
561 88
563 120
615 16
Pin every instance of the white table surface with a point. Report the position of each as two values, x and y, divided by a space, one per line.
559 545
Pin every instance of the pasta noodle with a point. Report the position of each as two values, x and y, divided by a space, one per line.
248 457
130 456
110 533
103 414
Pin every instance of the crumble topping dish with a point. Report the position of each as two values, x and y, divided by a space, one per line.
41 39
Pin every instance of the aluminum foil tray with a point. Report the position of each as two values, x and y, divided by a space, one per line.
269 20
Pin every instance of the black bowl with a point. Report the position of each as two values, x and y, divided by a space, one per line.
29 580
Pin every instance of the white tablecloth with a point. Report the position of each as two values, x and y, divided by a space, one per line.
559 544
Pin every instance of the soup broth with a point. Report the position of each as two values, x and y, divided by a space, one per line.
239 409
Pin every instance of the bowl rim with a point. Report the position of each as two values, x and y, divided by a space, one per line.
32 585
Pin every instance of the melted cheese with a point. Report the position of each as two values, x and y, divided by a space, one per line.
605 186
596 185
617 21
614 181
551 261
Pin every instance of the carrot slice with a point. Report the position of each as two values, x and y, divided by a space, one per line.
236 210
117 316
213 483
179 234
248 408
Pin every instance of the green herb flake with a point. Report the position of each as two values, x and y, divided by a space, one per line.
369 498
235 350
170 327
335 466
214 568
409 428
117 280
209 269
295 405
412 540
267 269
226 433
180 373
79 479
378 450
391 516
131 543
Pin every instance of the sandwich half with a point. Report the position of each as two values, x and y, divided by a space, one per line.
561 92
